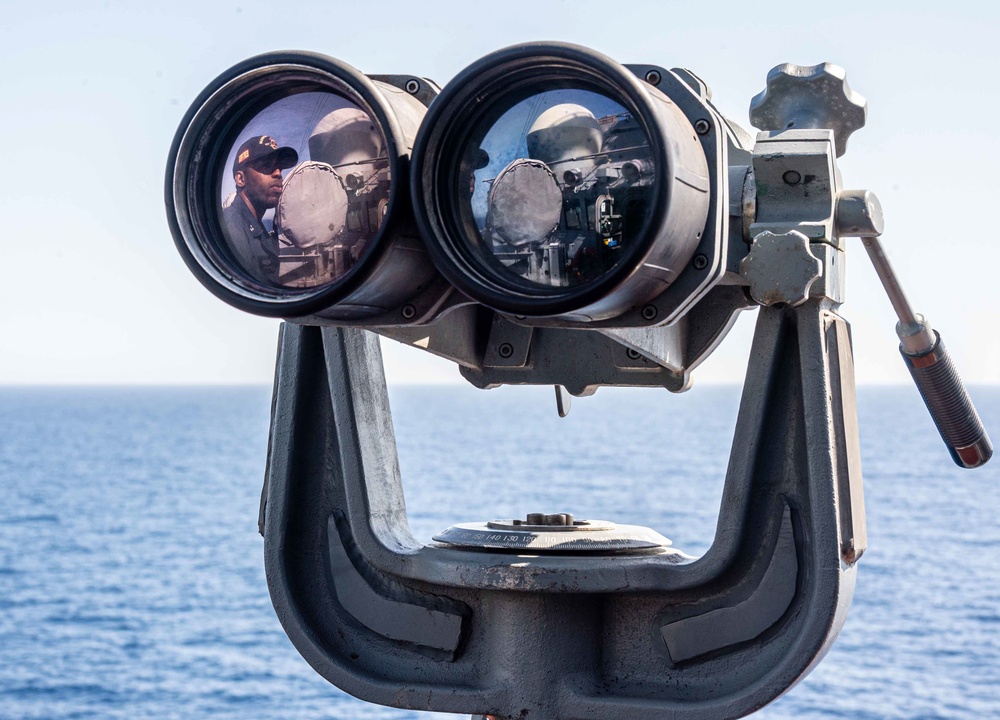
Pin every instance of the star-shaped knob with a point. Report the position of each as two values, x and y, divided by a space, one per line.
809 96
780 268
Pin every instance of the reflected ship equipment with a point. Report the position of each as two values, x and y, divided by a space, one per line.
338 239
349 172
586 185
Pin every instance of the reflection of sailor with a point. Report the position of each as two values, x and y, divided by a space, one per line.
257 173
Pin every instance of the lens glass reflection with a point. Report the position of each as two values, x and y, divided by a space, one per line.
304 190
558 187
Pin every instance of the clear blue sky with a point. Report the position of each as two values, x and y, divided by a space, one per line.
93 91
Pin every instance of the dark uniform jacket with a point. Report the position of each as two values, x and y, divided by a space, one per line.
255 249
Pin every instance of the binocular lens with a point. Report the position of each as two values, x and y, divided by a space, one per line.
560 184
304 190
550 181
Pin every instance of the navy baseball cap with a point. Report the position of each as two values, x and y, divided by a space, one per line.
262 146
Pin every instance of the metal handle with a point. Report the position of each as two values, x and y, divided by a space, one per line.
933 372
949 404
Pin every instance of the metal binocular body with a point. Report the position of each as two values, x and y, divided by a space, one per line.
548 217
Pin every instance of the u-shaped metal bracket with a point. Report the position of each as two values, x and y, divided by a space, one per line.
569 637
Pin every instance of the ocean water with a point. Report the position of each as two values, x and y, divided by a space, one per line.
131 578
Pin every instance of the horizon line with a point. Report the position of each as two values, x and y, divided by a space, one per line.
423 383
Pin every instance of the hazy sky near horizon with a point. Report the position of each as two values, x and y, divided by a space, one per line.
93 91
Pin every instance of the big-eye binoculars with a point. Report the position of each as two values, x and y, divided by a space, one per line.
549 217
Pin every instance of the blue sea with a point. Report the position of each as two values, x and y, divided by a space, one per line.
132 582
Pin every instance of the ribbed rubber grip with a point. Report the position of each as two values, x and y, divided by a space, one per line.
950 407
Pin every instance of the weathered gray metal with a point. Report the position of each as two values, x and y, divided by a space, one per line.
800 214
640 635
555 617
813 96
493 349
788 251
547 624
859 214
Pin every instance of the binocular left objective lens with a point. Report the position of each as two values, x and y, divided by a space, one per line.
284 189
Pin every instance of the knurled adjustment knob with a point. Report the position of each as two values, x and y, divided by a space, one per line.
807 97
780 268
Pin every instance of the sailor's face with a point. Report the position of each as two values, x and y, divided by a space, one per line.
262 182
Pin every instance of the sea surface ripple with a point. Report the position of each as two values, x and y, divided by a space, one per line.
132 583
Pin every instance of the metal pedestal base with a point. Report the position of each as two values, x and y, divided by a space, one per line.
568 637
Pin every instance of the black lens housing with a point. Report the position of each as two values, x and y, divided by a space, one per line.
673 223
391 268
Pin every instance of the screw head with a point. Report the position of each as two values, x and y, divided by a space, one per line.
792 177
700 262
412 86
409 312
702 126
633 354
653 77
649 312
505 350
